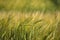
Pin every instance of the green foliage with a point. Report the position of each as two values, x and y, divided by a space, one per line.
23 26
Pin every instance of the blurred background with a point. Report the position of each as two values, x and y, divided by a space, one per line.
29 5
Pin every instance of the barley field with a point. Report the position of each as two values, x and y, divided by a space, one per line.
29 25
29 19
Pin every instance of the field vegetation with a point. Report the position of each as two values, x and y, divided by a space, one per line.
29 19
29 26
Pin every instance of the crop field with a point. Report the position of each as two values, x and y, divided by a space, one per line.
29 25
29 19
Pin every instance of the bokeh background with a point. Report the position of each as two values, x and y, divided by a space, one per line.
29 5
